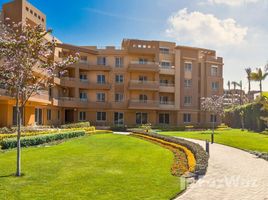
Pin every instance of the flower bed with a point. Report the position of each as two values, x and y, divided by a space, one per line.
200 160
40 139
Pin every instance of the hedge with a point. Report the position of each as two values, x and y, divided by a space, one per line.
41 139
252 117
200 154
76 125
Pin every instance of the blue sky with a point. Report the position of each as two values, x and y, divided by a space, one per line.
236 29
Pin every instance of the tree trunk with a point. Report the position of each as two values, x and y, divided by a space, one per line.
249 86
261 87
18 172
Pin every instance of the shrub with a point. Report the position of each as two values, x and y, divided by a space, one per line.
76 125
41 139
25 134
200 155
88 130
119 128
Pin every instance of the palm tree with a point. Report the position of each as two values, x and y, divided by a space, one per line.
249 71
259 76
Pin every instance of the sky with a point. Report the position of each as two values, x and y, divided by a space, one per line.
236 29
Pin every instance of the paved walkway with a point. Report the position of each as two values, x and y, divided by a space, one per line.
232 175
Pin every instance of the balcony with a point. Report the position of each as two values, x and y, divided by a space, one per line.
167 71
143 85
86 84
214 59
119 105
142 104
167 105
65 81
70 102
99 105
41 97
167 87
143 67
91 67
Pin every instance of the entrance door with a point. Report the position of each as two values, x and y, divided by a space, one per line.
38 116
118 118
69 116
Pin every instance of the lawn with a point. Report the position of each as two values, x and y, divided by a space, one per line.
98 167
265 94
235 137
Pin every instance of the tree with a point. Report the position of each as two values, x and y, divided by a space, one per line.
249 71
215 106
259 76
24 50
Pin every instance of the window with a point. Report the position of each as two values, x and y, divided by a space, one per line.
58 114
83 96
188 83
100 97
119 62
164 118
143 61
101 116
119 97
187 67
164 50
143 98
48 114
27 8
119 79
82 116
15 116
118 118
163 100
83 59
38 117
101 79
165 64
35 14
187 118
215 85
50 91
31 11
83 77
141 118
101 60
214 70
187 100
213 118
143 78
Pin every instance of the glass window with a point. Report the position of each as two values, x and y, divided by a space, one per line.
214 70
118 118
143 61
119 62
188 83
213 118
215 85
187 67
101 116
143 78
83 96
38 116
101 79
141 118
119 97
100 97
164 118
165 64
82 116
187 100
48 114
187 118
83 59
164 50
119 78
58 115
83 77
163 100
143 98
101 60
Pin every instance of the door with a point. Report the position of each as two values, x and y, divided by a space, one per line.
38 116
69 116
119 118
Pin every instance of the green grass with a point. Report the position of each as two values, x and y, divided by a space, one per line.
98 167
265 94
236 138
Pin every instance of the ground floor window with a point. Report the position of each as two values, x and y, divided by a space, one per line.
187 118
118 118
101 116
164 118
82 116
48 114
58 115
38 117
141 118
213 118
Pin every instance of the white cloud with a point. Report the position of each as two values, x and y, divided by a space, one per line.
206 30
232 2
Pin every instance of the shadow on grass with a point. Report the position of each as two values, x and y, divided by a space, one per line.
11 175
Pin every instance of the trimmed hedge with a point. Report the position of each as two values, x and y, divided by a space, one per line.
41 139
76 125
252 117
200 154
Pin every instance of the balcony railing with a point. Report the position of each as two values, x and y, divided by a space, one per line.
143 85
143 66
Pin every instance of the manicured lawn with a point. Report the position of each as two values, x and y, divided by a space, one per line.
236 138
98 167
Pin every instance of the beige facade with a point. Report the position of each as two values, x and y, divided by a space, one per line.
141 82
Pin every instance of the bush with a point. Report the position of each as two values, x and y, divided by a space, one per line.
41 139
119 128
88 130
25 134
170 128
76 125
200 155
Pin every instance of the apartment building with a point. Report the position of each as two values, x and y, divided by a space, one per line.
140 82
